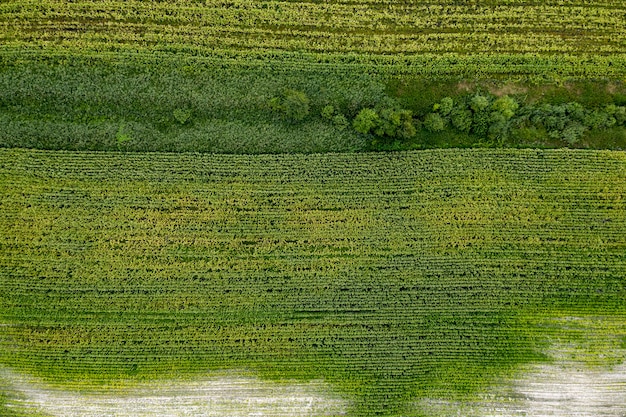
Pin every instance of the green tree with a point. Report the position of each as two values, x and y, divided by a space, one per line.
340 121
573 132
365 121
506 106
445 106
479 103
328 112
293 105
461 119
434 122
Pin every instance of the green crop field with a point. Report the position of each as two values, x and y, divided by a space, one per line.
579 37
302 208
399 279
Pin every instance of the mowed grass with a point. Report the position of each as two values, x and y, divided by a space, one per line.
392 276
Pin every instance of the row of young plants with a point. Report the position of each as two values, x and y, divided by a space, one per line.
390 275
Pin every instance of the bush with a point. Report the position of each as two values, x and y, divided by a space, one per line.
444 107
434 122
620 115
293 105
479 103
182 116
405 129
365 121
575 111
498 126
461 119
328 112
481 122
598 119
573 132
506 106
395 124
340 121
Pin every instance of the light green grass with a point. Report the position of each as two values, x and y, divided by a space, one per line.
391 276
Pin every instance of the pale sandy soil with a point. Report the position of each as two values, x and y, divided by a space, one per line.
224 396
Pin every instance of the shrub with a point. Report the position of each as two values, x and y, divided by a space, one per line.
405 129
365 121
293 105
620 115
479 103
328 112
395 124
122 137
498 127
445 106
480 123
461 119
182 116
340 121
506 106
573 132
575 111
434 122
598 119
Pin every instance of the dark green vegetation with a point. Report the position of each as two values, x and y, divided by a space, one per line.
393 276
188 106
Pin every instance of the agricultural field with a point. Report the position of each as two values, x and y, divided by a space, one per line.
577 36
431 283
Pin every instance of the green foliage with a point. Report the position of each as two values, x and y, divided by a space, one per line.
122 138
506 106
461 118
498 127
434 122
573 132
445 106
328 112
599 119
341 122
481 121
479 102
182 116
80 105
365 121
395 124
620 115
293 105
